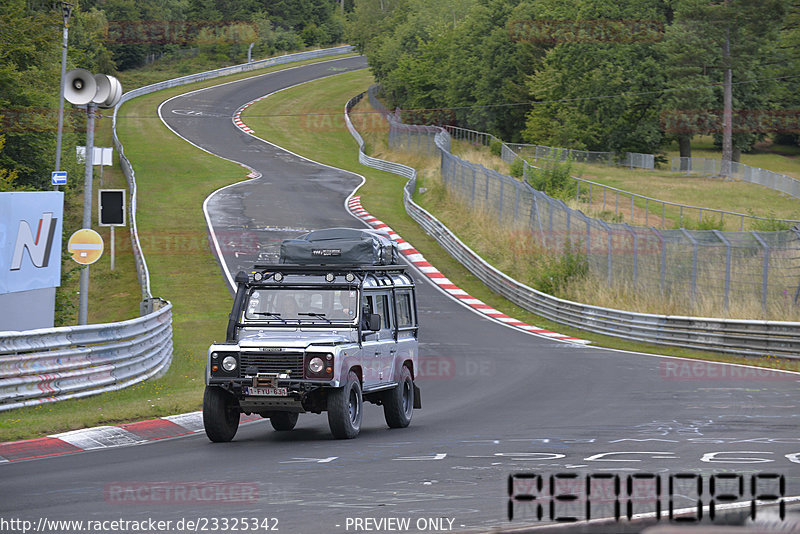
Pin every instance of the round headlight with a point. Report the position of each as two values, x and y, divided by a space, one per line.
229 363
214 355
316 365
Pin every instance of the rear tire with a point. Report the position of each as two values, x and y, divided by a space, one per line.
398 403
220 414
345 408
283 421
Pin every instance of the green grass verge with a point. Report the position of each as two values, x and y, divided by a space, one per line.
324 138
174 178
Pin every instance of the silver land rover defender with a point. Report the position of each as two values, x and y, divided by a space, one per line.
333 325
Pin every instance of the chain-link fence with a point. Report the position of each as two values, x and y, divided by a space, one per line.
699 267
632 160
755 175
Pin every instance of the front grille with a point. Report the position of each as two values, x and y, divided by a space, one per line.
272 363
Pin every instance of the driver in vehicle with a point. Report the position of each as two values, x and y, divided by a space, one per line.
288 305
347 304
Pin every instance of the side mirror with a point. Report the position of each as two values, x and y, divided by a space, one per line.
374 322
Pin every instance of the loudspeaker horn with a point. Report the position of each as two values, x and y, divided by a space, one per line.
79 87
114 94
103 88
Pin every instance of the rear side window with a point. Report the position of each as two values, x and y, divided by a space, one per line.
404 310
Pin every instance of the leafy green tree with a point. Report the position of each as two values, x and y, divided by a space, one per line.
598 92
732 40
7 177
787 64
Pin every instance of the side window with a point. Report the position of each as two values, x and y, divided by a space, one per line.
369 304
382 308
404 310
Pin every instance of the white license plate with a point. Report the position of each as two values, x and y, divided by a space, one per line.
266 392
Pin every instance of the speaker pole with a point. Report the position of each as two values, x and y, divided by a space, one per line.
66 10
83 301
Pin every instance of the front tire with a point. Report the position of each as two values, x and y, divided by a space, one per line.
220 414
283 421
345 408
398 403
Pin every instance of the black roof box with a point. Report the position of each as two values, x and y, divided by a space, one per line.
337 246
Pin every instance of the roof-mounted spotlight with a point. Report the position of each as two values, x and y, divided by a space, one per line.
349 277
329 277
278 277
258 277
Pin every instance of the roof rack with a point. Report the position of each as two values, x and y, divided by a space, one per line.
294 268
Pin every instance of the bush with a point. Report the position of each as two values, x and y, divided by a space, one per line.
705 224
558 271
770 224
555 179
496 147
517 168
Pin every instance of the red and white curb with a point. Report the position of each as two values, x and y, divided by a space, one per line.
106 437
435 276
237 117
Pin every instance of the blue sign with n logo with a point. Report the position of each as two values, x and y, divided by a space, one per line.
30 240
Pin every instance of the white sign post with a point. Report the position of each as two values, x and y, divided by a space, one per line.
101 155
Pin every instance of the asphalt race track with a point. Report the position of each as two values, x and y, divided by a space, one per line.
496 402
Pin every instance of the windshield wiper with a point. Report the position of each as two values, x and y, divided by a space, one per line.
270 314
313 314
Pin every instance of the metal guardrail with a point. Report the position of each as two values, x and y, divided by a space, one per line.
53 364
741 337
48 365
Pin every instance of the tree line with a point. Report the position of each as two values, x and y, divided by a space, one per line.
628 75
114 36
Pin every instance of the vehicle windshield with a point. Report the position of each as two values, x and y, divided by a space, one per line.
317 305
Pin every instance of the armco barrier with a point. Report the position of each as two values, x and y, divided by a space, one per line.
47 365
741 337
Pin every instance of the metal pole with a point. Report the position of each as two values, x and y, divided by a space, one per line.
694 243
727 244
112 248
765 271
83 304
66 11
